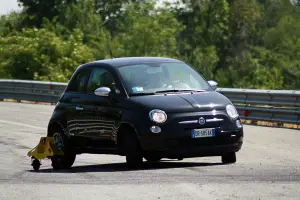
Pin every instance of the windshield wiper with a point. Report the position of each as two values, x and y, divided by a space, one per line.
177 90
164 91
142 93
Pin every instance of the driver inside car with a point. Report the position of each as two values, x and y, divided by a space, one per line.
155 80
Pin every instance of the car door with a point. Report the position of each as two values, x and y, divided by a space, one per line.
74 99
102 112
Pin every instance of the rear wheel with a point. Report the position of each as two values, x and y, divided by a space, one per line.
66 161
229 158
133 151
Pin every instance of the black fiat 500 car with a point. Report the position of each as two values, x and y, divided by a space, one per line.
143 107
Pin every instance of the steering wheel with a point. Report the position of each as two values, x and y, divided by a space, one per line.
178 84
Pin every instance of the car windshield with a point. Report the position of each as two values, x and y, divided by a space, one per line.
161 77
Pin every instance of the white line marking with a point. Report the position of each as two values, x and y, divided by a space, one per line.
21 124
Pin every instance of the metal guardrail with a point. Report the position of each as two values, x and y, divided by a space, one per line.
266 105
31 90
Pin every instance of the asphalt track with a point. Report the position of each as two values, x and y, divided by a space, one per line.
268 167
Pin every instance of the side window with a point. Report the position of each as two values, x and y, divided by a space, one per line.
78 84
100 78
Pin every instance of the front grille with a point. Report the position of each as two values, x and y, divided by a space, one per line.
208 121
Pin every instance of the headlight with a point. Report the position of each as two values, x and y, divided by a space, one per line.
158 116
231 111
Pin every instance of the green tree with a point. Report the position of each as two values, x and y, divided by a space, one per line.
239 43
41 55
10 23
237 64
150 32
284 42
82 16
114 10
205 35
37 10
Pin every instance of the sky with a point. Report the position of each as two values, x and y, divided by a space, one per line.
8 5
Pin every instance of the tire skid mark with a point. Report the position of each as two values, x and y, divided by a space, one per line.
14 144
22 124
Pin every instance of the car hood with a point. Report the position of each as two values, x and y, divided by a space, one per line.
182 102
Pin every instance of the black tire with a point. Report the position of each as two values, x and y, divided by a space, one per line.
133 151
152 158
67 160
229 158
36 164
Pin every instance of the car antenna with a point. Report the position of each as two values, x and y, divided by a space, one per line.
108 44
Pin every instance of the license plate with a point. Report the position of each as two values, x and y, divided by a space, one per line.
202 133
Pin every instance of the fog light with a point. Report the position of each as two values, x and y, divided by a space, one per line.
239 124
155 129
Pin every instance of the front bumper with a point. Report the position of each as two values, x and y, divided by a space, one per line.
175 139
223 142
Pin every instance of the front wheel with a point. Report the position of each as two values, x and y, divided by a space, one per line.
229 158
133 151
66 161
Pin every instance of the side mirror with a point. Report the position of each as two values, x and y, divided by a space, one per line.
102 91
213 84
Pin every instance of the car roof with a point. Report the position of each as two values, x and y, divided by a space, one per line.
117 62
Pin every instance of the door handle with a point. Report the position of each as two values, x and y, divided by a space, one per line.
79 108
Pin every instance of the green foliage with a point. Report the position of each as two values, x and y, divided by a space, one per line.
238 43
41 55
37 10
149 32
10 23
81 16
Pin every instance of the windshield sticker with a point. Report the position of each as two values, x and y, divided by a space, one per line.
138 89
